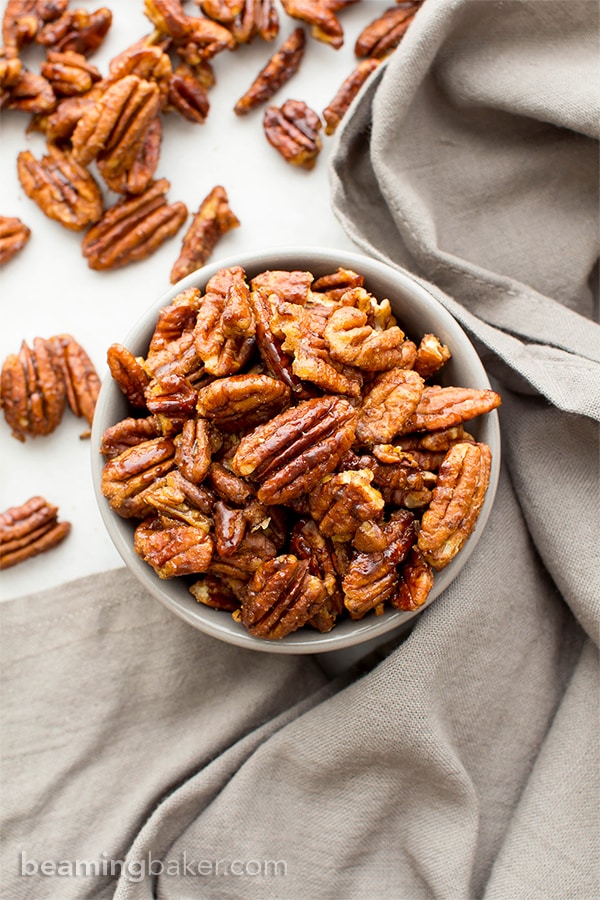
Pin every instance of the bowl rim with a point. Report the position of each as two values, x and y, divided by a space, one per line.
216 623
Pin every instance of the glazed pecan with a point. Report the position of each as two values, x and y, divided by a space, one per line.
173 547
147 60
293 129
11 69
382 36
338 107
335 284
443 407
325 25
307 542
257 17
391 400
129 374
187 94
195 446
456 503
170 497
415 582
14 234
30 93
69 73
28 530
168 17
77 30
213 219
291 287
431 356
62 188
115 127
129 476
33 390
225 327
277 72
60 124
138 176
239 402
224 11
281 597
174 321
351 340
127 433
228 486
20 23
277 362
400 477
133 228
229 528
214 592
342 502
82 384
290 454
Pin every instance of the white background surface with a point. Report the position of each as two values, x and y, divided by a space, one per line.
48 288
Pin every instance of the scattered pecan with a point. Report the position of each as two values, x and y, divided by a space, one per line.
128 373
59 125
338 107
213 219
456 503
277 72
77 30
382 36
257 17
443 407
20 23
325 25
391 400
11 69
148 61
33 390
168 17
173 547
14 234
82 384
62 188
281 597
187 94
239 402
293 129
133 228
138 176
224 11
69 73
28 530
30 93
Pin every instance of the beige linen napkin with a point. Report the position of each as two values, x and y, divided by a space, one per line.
465 763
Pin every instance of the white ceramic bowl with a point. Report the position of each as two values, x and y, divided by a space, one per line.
418 313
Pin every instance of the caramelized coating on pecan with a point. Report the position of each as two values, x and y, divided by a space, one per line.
62 188
278 363
382 36
148 61
134 228
239 402
443 407
341 503
335 111
77 30
137 176
33 390
80 377
14 234
277 72
214 592
194 450
224 11
307 542
127 477
431 356
28 530
351 340
391 400
187 94
281 597
291 287
415 582
228 486
69 73
127 433
293 129
213 219
173 547
30 93
456 503
325 25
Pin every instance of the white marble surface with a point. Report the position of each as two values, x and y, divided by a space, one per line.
48 288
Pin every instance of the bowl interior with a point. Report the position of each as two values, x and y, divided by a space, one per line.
417 312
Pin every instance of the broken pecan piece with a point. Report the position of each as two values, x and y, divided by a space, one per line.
134 228
455 504
187 94
290 454
62 188
281 597
14 234
195 446
307 542
224 331
257 17
342 502
390 402
213 219
277 72
30 93
338 107
28 530
351 340
415 582
431 356
77 30
215 593
293 129
81 379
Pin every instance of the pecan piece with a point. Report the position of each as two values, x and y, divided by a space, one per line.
127 477
171 395
224 331
293 129
276 361
214 592
290 454
127 433
134 228
14 234
33 390
415 582
291 287
391 401
62 122
431 356
351 340
77 30
63 189
28 530
254 550
213 220
334 285
171 498
195 446
69 73
20 23
277 72
342 502
223 11
187 94
257 17
443 407
382 36
127 371
148 61
228 486
455 504
174 320
172 547
138 176
239 402
281 597
230 528
325 25
338 107
307 542
30 93
168 17
81 379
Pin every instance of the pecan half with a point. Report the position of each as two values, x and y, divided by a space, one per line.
127 433
223 11
133 228
415 582
81 379
335 111
69 73
382 36
173 547
325 25
291 287
456 503
33 390
277 72
62 188
213 220
293 129
30 93
281 597
148 61
127 371
138 176
239 402
257 17
28 530
14 234
391 401
290 454
77 30
225 327
187 94
276 361
228 486
127 477
431 356
194 450
215 593
443 407
341 503
168 17
333 285
20 23
351 340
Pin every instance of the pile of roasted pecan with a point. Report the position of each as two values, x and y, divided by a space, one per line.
290 443
104 133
